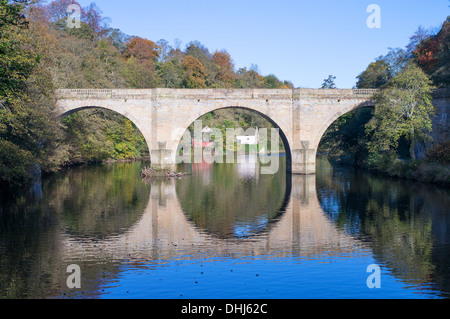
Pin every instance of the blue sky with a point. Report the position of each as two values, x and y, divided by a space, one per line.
302 41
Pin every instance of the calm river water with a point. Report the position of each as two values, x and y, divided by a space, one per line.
225 231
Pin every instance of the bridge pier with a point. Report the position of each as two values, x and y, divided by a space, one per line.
162 157
304 161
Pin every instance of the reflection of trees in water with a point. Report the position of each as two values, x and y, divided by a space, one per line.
91 202
101 201
407 223
231 204
26 227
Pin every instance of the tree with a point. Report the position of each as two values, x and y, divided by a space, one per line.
109 60
397 59
328 83
195 73
117 38
225 65
433 53
346 139
143 50
139 75
171 74
202 54
249 79
57 10
417 38
164 50
380 72
402 109
28 127
92 16
272 82
441 74
376 75
17 60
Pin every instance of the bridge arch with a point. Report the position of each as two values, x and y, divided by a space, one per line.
281 131
137 122
336 115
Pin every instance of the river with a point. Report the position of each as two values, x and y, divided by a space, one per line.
225 231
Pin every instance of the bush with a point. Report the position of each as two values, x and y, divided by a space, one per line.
382 161
386 163
440 153
433 173
16 164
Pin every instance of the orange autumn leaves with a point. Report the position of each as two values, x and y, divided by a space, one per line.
146 52
195 71
226 67
143 50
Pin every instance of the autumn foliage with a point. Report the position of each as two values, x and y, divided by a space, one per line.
440 153
195 73
226 67
433 55
143 50
41 52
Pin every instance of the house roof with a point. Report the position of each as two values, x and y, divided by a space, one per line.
251 131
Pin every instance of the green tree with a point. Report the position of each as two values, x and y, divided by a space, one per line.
17 57
249 79
272 82
87 138
375 76
345 139
402 109
124 138
171 73
139 75
28 126
328 83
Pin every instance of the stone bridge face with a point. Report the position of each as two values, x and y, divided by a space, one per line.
162 115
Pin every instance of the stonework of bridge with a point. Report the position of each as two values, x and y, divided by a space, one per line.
163 115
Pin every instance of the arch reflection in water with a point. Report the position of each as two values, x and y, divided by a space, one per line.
100 201
233 200
226 213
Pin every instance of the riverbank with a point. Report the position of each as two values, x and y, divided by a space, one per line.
418 170
424 171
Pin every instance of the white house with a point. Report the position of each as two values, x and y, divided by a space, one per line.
250 137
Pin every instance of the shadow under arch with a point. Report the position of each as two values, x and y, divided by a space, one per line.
282 135
126 115
335 116
334 136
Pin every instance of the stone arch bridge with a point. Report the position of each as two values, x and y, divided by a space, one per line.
162 115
